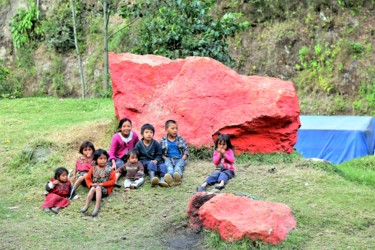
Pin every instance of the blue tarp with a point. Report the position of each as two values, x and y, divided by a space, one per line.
336 138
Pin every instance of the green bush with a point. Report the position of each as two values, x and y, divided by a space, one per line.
25 26
203 153
58 27
181 28
5 89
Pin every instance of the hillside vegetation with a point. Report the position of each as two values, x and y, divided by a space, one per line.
325 47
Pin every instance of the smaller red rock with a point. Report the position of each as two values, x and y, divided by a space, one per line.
236 217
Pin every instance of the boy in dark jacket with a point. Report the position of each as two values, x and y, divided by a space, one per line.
150 155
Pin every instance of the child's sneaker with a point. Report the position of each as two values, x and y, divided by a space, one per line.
201 189
177 178
154 181
220 187
168 179
47 210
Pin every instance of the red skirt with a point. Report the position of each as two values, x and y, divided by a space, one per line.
54 200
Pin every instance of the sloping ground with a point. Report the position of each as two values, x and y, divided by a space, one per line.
330 211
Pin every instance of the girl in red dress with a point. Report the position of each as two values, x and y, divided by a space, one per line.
100 179
58 189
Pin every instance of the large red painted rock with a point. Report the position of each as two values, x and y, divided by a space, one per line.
236 217
205 97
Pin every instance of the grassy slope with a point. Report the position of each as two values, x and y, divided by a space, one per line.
331 212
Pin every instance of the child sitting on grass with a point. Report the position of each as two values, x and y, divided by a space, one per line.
134 171
83 165
223 159
150 155
58 189
100 179
175 153
122 142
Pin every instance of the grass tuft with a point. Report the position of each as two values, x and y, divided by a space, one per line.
271 158
360 170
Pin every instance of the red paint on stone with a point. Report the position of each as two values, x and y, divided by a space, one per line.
236 217
261 114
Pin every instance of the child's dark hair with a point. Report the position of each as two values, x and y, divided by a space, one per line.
122 122
169 122
225 138
132 152
147 126
86 144
98 153
60 171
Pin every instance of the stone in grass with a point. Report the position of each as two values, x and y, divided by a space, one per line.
238 217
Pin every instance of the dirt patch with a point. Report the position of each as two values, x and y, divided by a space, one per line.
180 236
97 133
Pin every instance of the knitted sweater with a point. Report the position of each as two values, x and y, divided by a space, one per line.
227 160
149 153
108 184
63 188
119 148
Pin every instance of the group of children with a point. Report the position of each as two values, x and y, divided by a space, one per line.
163 161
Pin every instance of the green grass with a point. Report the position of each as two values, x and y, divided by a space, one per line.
361 170
39 134
31 118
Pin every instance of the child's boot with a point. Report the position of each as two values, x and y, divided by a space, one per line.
72 194
153 179
177 178
163 183
168 178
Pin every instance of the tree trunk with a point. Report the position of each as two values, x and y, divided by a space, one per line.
77 48
37 6
106 45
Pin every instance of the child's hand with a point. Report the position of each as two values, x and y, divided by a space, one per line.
155 162
73 178
55 182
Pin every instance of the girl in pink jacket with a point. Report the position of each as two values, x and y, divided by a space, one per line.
223 159
122 142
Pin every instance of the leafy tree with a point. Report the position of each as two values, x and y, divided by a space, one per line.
181 28
109 7
59 26
25 26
